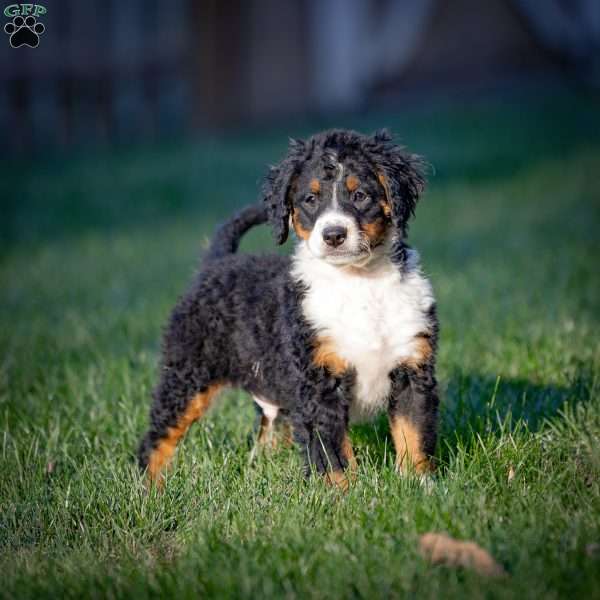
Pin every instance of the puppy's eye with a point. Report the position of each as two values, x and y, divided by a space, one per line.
360 196
309 200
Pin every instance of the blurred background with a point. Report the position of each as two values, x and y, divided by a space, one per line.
109 71
137 111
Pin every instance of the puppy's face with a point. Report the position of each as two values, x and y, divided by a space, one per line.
345 194
340 209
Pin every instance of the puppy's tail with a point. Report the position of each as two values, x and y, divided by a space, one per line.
228 235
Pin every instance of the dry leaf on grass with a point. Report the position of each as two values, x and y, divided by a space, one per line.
439 548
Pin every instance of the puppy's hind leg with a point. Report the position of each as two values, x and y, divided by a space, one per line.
177 404
265 431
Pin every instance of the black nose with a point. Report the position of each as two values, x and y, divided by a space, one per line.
334 235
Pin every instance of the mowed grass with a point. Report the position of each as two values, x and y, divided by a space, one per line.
94 252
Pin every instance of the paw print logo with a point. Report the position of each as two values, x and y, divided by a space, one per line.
24 31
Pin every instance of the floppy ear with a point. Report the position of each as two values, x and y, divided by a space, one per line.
400 173
276 189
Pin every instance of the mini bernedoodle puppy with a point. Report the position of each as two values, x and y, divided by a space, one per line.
343 329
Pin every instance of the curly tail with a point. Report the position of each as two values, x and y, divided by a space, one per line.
228 235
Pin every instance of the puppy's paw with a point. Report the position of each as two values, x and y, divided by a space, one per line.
337 479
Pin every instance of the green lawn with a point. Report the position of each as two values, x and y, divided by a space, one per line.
94 250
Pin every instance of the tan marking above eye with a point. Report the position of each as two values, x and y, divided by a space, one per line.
352 182
315 186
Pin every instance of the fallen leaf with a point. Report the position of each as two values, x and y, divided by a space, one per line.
439 548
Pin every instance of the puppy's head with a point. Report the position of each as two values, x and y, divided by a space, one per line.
345 194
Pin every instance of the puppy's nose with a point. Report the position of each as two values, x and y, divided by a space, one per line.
334 235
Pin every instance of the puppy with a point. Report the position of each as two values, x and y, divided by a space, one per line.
343 329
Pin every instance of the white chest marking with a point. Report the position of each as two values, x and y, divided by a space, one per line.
372 319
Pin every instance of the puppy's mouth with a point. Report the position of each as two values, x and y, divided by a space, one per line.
345 256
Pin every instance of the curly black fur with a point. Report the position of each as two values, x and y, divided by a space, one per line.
241 323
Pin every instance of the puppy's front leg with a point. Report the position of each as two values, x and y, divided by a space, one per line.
413 413
320 428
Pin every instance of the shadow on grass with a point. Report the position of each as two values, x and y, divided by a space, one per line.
473 403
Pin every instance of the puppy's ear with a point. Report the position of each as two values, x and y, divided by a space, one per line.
277 186
401 174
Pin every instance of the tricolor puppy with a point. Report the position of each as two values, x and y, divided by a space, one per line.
343 329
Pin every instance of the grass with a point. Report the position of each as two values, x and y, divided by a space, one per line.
95 249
